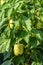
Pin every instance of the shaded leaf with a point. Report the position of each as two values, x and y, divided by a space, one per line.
8 62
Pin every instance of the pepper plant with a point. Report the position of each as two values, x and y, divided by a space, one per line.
21 32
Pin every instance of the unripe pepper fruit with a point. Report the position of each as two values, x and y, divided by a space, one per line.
18 49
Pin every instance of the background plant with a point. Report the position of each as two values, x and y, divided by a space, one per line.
21 22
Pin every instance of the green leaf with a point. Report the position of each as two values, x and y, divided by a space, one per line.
36 63
3 22
6 55
38 33
17 4
28 24
34 42
6 6
8 62
17 23
9 13
26 38
4 45
22 34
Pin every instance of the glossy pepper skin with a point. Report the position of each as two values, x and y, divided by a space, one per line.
11 24
18 49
